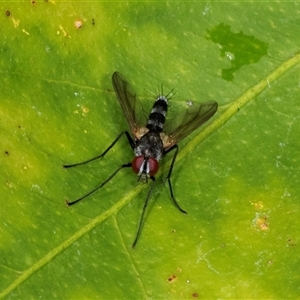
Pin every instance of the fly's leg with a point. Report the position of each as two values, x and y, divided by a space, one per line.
99 186
175 147
130 140
132 144
143 212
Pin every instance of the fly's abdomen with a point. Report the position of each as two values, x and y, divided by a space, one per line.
158 114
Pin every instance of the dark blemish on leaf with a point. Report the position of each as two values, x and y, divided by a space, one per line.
19 126
172 278
93 21
7 13
6 152
195 295
237 48
291 243
33 2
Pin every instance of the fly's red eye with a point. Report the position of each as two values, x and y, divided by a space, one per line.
138 162
153 166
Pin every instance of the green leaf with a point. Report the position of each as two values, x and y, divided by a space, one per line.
237 177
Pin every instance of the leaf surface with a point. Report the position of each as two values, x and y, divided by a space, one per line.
237 177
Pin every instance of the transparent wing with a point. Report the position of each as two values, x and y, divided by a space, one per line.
188 121
129 102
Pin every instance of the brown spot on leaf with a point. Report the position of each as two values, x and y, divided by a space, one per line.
261 222
172 278
78 23
291 243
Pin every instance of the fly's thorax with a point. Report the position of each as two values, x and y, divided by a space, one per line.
150 145
158 113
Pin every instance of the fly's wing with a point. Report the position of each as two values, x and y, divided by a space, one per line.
184 124
129 102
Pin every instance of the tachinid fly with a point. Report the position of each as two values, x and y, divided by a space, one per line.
152 139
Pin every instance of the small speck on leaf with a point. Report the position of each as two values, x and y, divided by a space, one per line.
291 243
172 278
78 23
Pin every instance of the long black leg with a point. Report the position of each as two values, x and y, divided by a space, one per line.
99 186
175 147
130 140
143 213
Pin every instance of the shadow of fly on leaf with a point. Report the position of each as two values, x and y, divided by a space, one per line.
151 138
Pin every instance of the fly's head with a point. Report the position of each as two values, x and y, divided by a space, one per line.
145 167
148 152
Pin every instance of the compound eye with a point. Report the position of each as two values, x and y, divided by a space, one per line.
138 162
153 166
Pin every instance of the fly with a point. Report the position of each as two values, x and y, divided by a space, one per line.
151 139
